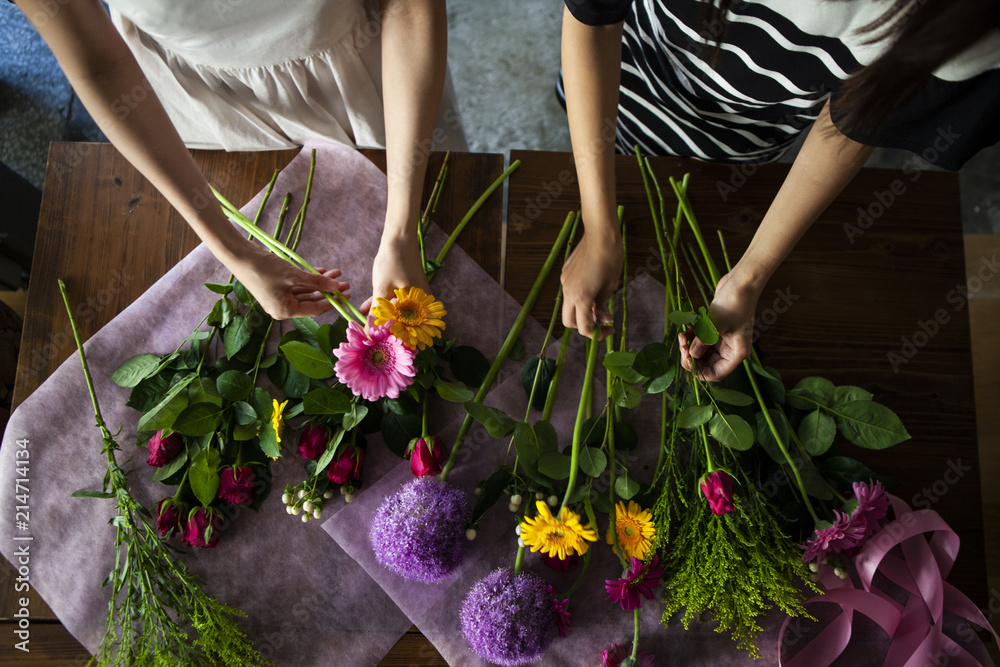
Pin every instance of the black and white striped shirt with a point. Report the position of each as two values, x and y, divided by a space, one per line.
779 62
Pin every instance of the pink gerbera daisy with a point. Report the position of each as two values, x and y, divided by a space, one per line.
872 506
376 364
840 537
641 579
563 615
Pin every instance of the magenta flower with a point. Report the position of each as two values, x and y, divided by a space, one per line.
841 536
236 485
374 365
202 529
642 579
427 457
563 615
872 506
559 564
163 449
614 656
346 466
168 517
313 441
717 487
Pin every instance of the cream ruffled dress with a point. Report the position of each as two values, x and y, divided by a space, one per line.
261 75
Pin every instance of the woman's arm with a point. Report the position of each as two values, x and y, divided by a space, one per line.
591 65
414 58
825 165
100 67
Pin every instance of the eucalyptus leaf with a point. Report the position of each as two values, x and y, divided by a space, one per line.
134 370
496 421
817 432
308 360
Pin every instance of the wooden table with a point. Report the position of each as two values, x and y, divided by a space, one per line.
104 228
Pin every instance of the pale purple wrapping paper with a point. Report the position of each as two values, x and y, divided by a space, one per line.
308 602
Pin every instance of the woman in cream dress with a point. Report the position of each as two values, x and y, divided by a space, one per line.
161 77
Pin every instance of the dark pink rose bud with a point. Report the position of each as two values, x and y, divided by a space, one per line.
427 460
717 487
168 517
202 529
313 441
163 449
559 564
236 484
346 466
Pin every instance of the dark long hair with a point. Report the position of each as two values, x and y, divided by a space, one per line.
925 34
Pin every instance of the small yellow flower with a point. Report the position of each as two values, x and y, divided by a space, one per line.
277 421
416 317
635 530
559 537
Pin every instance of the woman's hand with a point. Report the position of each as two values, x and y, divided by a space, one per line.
396 266
589 278
282 290
732 312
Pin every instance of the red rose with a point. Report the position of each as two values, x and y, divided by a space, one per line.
162 450
717 487
426 460
168 517
202 529
313 441
235 485
346 466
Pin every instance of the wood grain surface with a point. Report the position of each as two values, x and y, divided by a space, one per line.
109 235
855 294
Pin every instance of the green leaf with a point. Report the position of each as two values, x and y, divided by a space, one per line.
135 369
469 365
626 437
870 425
326 401
660 384
593 430
496 421
491 492
308 360
694 416
766 438
243 294
236 335
323 335
817 432
221 314
653 360
307 326
220 288
528 373
455 392
730 396
147 393
296 384
203 390
269 440
203 475
846 470
268 361
625 395
244 413
554 465
262 402
815 388
812 479
353 417
517 350
592 461
398 430
165 412
704 329
619 364
331 450
91 494
848 394
732 431
244 432
625 486
526 444
545 434
234 385
172 466
681 318
198 419
338 333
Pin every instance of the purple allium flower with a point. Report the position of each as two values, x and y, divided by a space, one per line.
641 579
508 619
842 536
613 657
419 531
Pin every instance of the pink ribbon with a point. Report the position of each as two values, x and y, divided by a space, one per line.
914 629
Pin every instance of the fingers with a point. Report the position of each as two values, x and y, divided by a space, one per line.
367 305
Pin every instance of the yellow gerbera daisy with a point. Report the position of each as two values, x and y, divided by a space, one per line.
416 317
277 420
559 537
635 530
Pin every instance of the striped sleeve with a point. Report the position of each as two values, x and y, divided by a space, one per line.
599 12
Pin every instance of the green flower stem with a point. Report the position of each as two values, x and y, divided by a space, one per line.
685 205
658 229
585 393
282 213
588 509
612 492
519 560
508 343
346 309
86 369
621 222
781 444
635 637
424 433
550 398
431 205
300 219
472 211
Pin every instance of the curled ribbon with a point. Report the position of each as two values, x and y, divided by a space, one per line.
914 629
